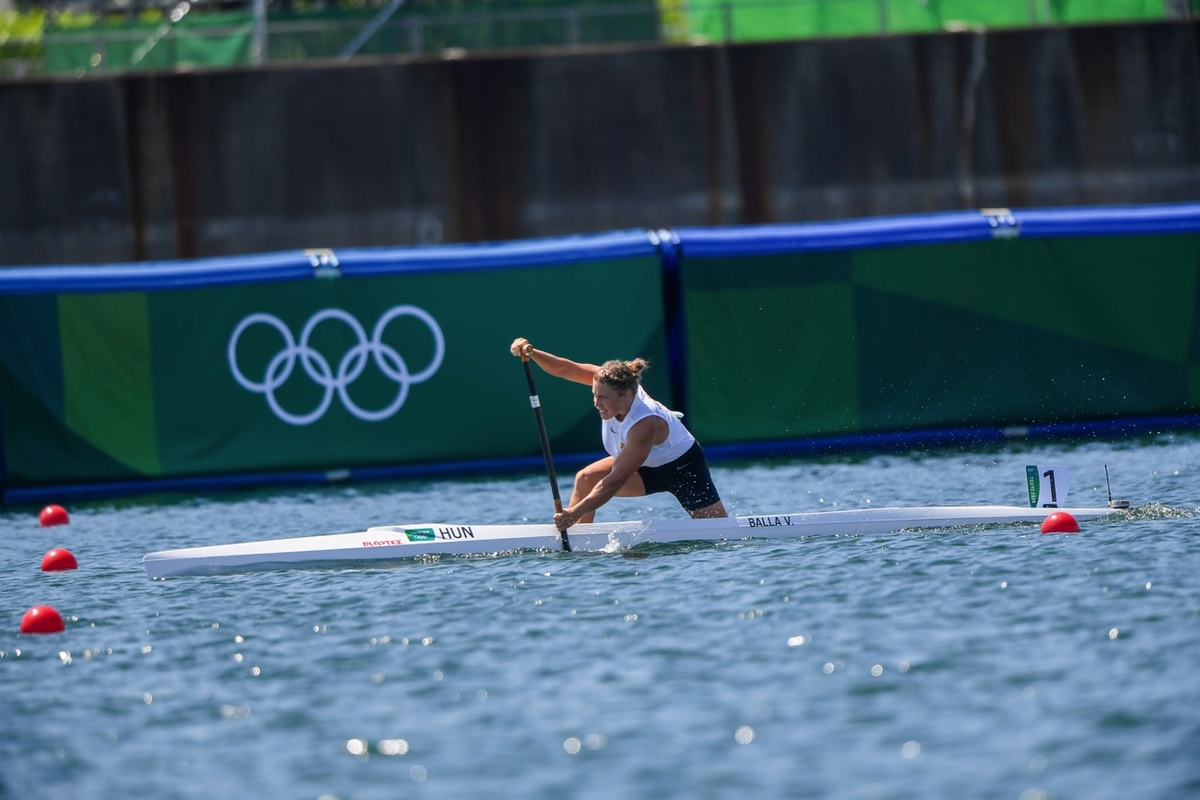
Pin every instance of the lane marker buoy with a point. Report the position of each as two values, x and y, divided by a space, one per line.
1060 522
42 619
53 515
59 559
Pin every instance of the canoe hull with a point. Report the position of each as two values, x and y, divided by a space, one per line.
406 542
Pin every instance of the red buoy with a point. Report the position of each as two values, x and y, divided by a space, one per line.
53 515
42 619
1060 522
59 559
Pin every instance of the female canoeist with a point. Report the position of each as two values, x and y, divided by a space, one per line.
649 449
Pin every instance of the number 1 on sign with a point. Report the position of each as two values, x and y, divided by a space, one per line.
1048 486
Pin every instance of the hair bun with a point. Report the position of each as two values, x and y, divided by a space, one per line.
622 375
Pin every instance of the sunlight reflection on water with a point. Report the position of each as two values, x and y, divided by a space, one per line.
967 663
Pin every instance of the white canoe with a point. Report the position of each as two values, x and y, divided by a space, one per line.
401 542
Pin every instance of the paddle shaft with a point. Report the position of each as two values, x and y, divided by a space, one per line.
537 411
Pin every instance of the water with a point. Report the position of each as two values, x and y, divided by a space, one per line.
981 663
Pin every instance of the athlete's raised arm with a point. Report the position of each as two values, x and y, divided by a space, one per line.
554 365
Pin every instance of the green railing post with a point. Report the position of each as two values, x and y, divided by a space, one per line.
415 43
258 48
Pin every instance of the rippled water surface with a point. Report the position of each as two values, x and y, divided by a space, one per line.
984 663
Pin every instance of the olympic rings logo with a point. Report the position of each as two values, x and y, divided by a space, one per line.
349 368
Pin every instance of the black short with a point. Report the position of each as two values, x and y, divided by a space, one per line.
687 477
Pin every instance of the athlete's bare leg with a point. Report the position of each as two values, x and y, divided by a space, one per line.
587 478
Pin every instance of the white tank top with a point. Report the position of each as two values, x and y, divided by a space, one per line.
679 439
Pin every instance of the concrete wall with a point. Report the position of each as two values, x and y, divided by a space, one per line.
504 147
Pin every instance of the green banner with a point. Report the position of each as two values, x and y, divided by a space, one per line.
998 332
773 20
202 40
253 366
316 374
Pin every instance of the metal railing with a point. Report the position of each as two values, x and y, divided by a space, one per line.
263 40
417 35
104 49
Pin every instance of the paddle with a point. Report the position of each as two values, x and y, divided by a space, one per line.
537 410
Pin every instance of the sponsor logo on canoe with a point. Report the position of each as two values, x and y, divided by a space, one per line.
420 534
425 535
769 522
